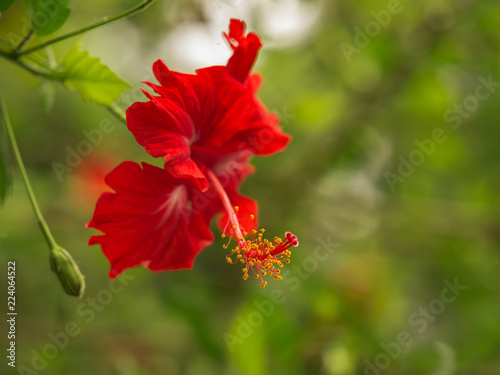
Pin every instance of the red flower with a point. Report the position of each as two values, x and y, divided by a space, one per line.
205 126
146 216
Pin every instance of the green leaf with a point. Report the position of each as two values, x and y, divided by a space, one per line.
5 4
94 80
48 15
5 163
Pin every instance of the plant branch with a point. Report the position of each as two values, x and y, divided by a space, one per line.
17 155
12 58
118 112
138 8
25 41
114 108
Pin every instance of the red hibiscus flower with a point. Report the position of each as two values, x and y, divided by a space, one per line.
206 126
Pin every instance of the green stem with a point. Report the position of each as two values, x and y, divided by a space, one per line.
23 43
138 8
41 221
114 108
12 58
118 112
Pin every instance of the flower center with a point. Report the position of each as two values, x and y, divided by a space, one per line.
261 256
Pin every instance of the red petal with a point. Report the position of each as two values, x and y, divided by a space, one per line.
246 208
232 171
187 169
147 221
238 120
203 119
246 49
179 88
160 129
254 82
166 125
262 139
236 32
228 107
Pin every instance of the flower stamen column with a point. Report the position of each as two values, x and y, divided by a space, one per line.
259 255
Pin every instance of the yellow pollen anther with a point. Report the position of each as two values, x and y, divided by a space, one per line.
261 257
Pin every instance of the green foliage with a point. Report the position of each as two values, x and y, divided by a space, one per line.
5 4
93 80
48 16
5 165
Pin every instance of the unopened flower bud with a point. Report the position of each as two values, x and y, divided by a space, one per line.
67 272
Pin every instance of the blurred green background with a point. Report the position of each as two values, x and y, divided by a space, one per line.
359 85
